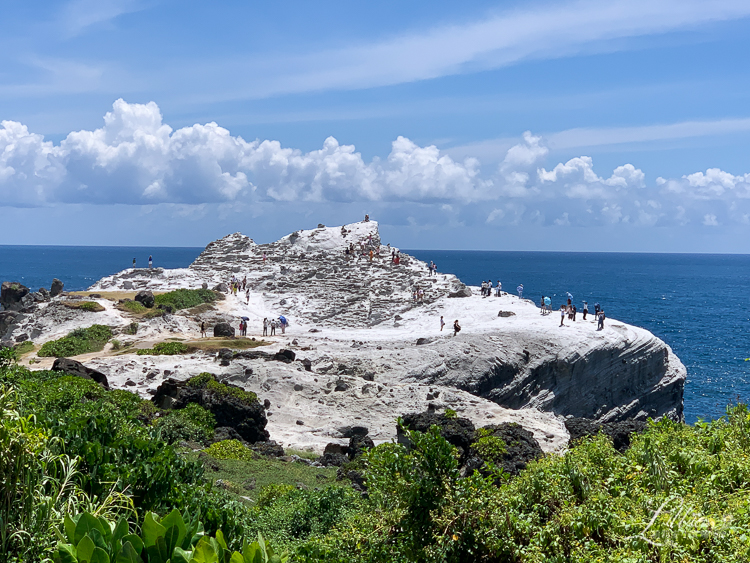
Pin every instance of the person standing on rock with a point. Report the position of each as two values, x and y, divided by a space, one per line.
150 261
541 304
265 326
456 327
562 315
548 305
597 308
520 290
273 327
134 263
585 310
575 310
247 296
499 288
600 317
203 329
434 269
371 255
442 323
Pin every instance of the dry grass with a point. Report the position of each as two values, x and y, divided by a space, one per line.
111 295
91 306
212 344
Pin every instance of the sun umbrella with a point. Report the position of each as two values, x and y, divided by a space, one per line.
245 318
282 319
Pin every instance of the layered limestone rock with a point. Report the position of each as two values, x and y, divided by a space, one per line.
367 351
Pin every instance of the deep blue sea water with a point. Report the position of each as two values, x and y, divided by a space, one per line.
698 303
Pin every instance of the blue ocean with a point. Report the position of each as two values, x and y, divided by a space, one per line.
697 303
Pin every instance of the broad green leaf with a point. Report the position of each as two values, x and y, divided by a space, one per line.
121 530
106 530
128 554
158 553
70 528
179 555
174 518
152 530
85 549
217 548
135 540
85 523
220 539
99 556
204 552
66 553
251 553
98 539
236 558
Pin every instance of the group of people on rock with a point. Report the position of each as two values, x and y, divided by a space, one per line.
432 269
487 289
571 311
270 325
417 295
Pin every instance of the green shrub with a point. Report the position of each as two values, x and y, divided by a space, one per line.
116 344
185 298
206 380
79 341
165 349
450 413
193 423
132 328
230 449
91 306
490 448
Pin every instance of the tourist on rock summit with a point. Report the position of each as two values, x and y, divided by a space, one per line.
273 327
133 263
597 308
541 304
600 317
244 283
499 289
150 261
548 304
456 327
247 296
489 288
434 269
265 326
283 323
203 329
562 315
442 323
519 289
575 310
585 310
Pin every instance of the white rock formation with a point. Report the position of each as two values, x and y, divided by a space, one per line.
356 321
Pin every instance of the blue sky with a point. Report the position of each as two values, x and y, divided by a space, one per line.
581 125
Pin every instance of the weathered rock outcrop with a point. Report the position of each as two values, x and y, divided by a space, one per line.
56 288
619 432
73 367
456 430
247 417
12 295
145 298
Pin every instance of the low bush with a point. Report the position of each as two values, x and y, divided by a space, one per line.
193 423
230 449
132 328
79 341
165 349
139 309
206 380
185 298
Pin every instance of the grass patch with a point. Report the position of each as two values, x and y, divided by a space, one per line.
165 349
213 344
185 298
79 341
137 308
91 306
265 471
23 348
302 453
206 380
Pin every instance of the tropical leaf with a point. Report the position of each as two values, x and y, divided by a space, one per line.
85 523
128 554
151 530
85 549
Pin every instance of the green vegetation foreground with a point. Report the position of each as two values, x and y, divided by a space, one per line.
68 447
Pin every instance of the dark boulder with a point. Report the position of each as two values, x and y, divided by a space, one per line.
44 293
307 364
356 478
359 445
224 330
351 431
286 356
246 416
56 288
222 287
457 431
7 318
225 356
520 448
422 341
12 294
333 459
619 432
268 449
72 367
145 298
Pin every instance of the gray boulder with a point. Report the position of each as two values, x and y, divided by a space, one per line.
460 291
145 298
12 294
224 330
56 288
72 367
7 318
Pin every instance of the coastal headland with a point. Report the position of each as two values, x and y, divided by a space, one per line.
359 349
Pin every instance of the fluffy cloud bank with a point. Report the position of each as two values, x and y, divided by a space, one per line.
136 159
